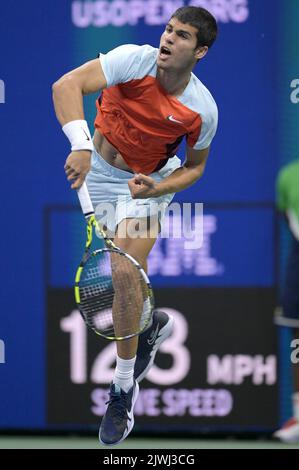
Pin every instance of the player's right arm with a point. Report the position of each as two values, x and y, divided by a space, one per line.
68 94
69 90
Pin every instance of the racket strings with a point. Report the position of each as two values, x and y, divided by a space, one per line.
114 297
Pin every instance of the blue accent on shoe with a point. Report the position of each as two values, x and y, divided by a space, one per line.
150 341
119 418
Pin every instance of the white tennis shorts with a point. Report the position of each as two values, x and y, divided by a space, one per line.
111 197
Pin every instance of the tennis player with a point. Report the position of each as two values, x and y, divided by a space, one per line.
288 203
150 100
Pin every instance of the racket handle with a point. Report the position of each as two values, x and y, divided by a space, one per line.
85 201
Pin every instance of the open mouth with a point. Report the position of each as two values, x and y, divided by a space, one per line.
164 51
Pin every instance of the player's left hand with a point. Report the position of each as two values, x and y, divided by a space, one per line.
142 187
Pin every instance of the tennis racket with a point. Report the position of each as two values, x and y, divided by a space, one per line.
112 291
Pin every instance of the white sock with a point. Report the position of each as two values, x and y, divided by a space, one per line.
295 399
124 373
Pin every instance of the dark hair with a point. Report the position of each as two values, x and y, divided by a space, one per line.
202 20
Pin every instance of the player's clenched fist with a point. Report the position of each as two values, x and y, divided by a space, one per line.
77 166
142 187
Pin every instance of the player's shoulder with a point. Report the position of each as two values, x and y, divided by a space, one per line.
144 59
128 62
140 53
200 99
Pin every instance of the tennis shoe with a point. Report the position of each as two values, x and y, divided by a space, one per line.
289 432
118 420
150 341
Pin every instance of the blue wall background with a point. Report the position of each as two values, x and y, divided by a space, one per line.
38 43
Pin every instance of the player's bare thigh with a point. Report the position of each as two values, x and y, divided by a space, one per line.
137 237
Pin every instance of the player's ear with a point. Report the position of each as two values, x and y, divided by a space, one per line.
200 52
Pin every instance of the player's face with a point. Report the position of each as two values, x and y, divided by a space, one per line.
178 48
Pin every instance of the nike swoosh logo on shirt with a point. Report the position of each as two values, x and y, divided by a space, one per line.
171 118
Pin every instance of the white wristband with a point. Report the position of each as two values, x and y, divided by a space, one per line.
78 134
